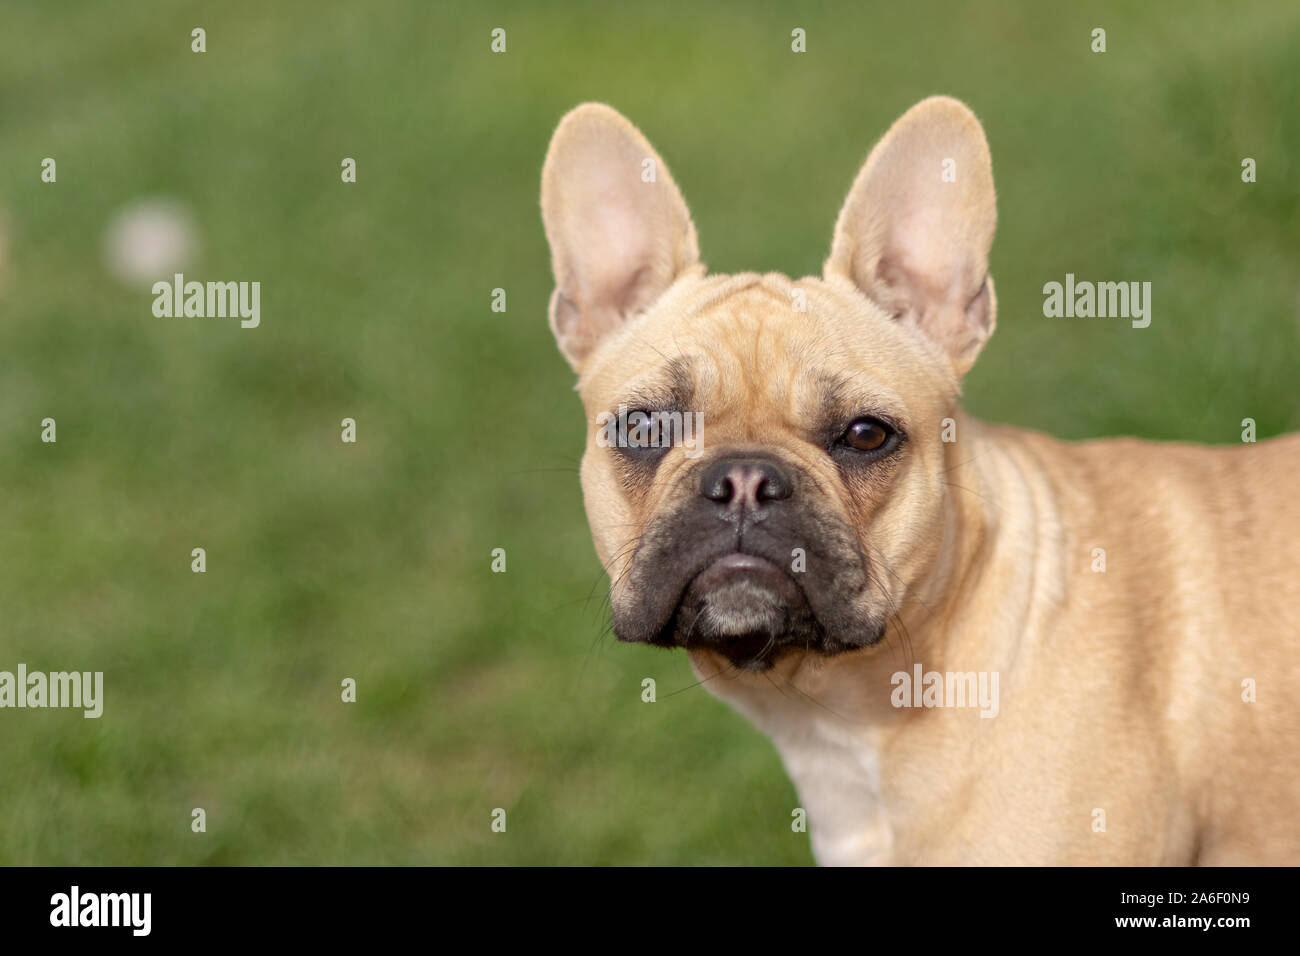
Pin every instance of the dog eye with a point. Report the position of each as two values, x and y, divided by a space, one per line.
643 429
866 434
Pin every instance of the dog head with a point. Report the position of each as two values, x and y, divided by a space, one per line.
765 457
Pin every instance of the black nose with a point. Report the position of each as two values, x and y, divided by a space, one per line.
745 482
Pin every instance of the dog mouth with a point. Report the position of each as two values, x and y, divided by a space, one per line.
744 607
793 582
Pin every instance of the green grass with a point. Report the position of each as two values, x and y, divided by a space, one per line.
325 560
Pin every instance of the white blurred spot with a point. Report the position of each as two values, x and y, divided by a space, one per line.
150 239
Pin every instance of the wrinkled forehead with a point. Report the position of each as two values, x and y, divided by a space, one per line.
738 343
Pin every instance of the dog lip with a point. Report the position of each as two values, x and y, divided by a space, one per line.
748 603
738 561
738 564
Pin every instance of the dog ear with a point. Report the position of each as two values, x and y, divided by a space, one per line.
619 230
915 232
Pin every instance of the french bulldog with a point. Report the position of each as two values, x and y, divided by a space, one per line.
851 561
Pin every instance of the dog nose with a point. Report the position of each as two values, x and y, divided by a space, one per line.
745 483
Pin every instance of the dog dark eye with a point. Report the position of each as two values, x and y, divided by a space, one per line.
866 434
643 430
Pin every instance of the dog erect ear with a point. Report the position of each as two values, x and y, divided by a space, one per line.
915 232
619 230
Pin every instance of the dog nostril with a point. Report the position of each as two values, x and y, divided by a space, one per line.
749 483
718 487
772 488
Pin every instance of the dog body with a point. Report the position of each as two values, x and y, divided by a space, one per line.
1135 606
1121 690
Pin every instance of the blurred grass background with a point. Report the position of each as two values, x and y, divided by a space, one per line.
325 560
